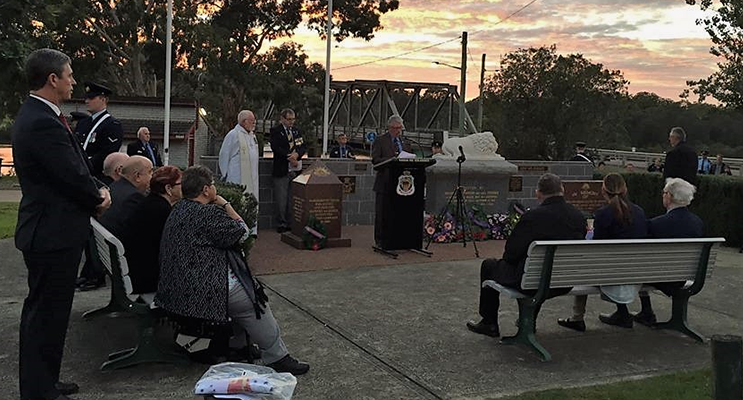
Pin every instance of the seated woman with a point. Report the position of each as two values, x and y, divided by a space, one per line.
619 219
203 273
144 227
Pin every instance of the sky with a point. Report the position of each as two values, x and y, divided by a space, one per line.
655 43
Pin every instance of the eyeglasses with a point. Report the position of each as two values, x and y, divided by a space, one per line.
176 184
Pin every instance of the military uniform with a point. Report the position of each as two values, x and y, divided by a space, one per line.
107 133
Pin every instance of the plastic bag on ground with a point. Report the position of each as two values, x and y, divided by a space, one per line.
232 380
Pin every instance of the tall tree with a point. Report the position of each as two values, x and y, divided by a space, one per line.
543 102
725 29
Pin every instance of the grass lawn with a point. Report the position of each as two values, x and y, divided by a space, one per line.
694 385
8 217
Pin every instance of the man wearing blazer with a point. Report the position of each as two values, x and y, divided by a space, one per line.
144 147
386 146
681 161
288 148
59 196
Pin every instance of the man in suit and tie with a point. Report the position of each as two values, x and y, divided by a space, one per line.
386 146
144 147
59 196
343 150
100 133
288 148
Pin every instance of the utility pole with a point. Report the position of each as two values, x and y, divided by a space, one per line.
463 86
482 88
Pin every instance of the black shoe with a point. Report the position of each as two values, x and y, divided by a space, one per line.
623 321
80 281
92 285
291 365
283 229
66 388
484 328
579 326
645 318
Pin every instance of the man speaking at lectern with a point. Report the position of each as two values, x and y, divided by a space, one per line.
386 146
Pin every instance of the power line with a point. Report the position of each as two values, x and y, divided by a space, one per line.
435 44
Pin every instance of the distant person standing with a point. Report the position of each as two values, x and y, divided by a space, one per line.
59 197
681 161
704 165
580 153
100 133
719 167
144 147
288 148
238 156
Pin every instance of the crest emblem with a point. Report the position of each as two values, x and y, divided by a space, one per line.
405 184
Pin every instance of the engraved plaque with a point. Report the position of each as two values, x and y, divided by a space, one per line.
516 183
584 195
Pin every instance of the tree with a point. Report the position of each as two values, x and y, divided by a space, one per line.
725 29
543 102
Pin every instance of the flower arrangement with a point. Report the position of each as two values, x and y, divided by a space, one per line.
315 235
445 228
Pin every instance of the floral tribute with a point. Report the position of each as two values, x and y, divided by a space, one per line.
445 228
315 235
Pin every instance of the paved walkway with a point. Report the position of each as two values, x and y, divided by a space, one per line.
394 332
10 196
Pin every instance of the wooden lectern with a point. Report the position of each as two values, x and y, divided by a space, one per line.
403 205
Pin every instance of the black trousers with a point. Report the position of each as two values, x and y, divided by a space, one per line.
379 200
507 275
44 320
92 270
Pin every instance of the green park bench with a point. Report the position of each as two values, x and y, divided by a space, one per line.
584 265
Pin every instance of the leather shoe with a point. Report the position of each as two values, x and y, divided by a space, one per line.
645 318
291 365
484 328
622 321
579 326
89 285
66 388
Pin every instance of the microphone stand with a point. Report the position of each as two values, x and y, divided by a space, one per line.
461 209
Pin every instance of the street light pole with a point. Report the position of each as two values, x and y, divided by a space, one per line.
482 87
463 86
326 107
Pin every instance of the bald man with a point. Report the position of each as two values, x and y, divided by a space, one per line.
112 167
127 193
238 157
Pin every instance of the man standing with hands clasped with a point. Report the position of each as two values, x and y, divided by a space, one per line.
59 196
288 148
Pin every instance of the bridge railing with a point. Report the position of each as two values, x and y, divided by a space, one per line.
643 159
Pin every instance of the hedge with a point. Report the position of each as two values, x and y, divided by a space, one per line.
718 202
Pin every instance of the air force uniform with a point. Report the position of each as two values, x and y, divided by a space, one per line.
100 134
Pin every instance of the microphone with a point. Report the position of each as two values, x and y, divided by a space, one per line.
461 155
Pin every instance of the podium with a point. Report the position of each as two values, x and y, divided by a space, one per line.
403 203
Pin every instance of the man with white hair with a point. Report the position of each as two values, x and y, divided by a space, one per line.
677 222
144 147
238 157
112 167
681 161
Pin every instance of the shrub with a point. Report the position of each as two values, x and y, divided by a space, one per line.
245 205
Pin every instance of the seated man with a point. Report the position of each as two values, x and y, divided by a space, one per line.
343 150
203 272
436 148
127 193
112 166
677 222
554 219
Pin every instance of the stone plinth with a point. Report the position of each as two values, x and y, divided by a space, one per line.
485 183
317 191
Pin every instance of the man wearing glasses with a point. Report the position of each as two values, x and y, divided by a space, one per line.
386 146
288 148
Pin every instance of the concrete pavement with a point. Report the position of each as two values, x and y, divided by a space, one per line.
395 332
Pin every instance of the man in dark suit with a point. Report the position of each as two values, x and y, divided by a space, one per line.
288 148
681 161
554 219
100 134
144 147
59 196
343 150
386 146
719 167
127 193
677 222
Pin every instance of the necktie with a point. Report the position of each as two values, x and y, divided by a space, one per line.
64 121
151 153
398 143
343 151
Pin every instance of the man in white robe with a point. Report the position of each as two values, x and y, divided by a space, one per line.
238 157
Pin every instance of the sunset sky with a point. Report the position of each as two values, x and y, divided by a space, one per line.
655 43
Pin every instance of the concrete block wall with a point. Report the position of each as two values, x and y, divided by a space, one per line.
358 208
531 171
